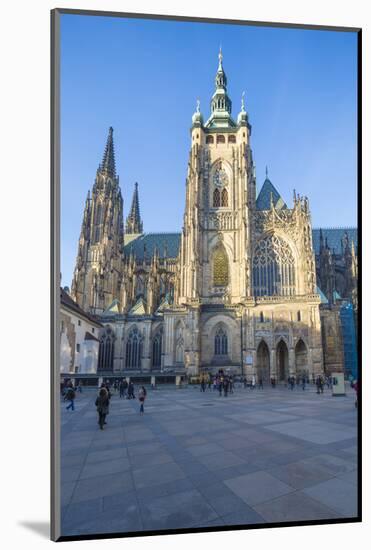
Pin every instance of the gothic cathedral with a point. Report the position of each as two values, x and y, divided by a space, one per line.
236 290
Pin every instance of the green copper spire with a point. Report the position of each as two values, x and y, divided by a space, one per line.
221 105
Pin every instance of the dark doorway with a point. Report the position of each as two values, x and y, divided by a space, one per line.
282 361
262 363
301 359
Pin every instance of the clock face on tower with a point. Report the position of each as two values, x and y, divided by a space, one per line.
220 178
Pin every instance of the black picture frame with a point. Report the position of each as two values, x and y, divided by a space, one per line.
55 268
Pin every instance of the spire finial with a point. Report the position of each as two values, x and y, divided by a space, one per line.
220 55
198 105
243 101
266 172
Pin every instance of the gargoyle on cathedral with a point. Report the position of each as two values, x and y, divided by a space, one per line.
239 288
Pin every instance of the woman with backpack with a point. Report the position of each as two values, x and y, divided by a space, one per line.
142 396
102 404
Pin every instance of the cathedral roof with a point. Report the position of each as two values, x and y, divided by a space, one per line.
148 242
324 300
268 190
334 236
166 244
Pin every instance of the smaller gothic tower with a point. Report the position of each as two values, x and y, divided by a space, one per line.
97 276
134 223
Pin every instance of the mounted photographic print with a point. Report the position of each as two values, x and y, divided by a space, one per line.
205 302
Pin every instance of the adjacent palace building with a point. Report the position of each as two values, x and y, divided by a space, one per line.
247 286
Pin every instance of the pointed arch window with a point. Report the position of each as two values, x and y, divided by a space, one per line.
216 198
106 351
134 350
224 201
221 342
220 267
179 344
156 350
99 214
273 268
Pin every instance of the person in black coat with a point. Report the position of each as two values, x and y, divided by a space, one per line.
102 404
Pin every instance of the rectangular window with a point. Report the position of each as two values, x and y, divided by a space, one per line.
79 323
62 326
78 348
92 329
299 316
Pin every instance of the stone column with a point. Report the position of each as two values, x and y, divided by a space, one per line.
273 365
146 358
292 367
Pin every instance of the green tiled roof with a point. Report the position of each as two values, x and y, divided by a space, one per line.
324 300
166 244
263 202
172 241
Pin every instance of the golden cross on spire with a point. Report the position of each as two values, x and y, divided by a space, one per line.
243 101
220 55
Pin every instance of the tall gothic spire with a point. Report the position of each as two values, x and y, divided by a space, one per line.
108 166
133 222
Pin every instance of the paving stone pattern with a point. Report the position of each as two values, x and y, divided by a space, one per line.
196 460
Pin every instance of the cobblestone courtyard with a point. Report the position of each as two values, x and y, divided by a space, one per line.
196 460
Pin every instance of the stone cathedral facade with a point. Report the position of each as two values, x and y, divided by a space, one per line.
236 290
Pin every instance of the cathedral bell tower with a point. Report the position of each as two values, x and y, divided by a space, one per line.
215 262
97 276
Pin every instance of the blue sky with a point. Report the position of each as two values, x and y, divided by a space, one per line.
143 77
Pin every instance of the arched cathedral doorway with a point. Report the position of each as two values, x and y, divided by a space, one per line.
301 359
282 358
263 362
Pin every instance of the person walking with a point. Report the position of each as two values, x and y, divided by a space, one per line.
125 387
260 386
253 382
70 396
220 386
131 391
226 386
303 383
355 385
142 394
292 382
102 404
121 389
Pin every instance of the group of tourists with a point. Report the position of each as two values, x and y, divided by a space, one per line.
125 388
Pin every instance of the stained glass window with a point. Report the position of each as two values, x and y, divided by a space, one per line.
220 267
224 197
216 198
134 349
156 350
273 268
106 350
221 342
